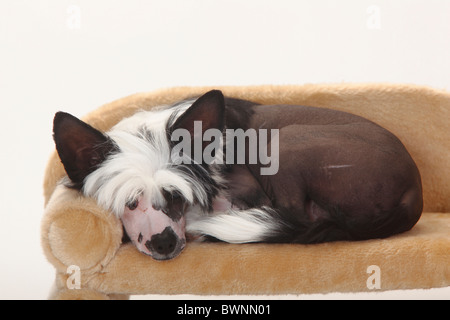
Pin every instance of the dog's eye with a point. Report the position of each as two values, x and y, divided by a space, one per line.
175 204
132 205
176 196
172 196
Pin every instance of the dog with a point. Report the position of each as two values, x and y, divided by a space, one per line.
330 175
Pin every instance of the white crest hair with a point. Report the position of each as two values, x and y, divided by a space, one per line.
143 164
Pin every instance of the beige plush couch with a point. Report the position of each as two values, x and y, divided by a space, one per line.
75 231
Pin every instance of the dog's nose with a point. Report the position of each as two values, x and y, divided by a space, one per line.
163 243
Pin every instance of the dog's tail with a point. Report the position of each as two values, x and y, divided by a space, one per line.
263 225
236 226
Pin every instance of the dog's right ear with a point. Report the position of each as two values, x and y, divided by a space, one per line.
209 109
81 148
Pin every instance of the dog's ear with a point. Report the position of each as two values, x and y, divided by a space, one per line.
209 109
81 148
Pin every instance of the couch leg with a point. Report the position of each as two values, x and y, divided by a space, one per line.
85 294
80 294
60 291
119 296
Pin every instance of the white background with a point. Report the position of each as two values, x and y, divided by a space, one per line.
77 55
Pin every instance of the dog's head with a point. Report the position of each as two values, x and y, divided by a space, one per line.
131 170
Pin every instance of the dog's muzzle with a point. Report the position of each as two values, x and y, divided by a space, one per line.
153 232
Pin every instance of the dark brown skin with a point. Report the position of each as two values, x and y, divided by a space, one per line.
337 167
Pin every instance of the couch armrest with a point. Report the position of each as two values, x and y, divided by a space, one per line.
75 231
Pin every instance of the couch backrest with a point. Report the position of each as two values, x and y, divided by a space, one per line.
419 116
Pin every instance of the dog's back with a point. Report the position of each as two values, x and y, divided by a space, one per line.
340 177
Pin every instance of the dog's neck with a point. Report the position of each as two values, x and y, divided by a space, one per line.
246 188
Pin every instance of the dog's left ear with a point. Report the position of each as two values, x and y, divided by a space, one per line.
81 147
209 109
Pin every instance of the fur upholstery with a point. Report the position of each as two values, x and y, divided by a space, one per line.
75 231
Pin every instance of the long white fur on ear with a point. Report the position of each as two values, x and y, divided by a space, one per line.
234 226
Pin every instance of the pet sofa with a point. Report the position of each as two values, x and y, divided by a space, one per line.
75 231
